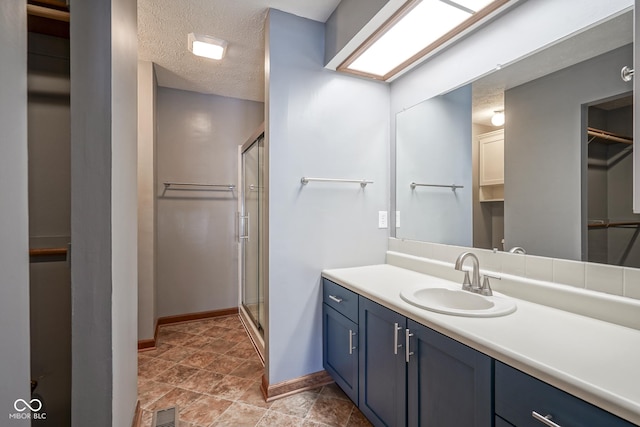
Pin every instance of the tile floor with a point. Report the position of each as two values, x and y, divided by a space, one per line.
210 369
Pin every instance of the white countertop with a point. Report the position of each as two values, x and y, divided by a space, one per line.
588 358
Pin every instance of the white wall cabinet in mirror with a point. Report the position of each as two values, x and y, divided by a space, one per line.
491 159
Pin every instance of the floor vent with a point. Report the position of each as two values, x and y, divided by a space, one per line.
165 417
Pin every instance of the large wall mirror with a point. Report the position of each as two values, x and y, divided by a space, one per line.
555 179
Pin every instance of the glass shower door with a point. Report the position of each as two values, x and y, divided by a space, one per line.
250 233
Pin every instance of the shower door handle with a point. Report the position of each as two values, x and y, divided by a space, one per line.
243 224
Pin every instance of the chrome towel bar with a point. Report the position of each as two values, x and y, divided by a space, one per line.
363 182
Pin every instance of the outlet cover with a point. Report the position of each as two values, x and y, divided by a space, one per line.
383 219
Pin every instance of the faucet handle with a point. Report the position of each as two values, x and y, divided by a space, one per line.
466 283
486 286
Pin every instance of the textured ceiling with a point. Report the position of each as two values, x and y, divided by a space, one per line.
488 92
163 26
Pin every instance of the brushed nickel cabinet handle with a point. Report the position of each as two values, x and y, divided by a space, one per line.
351 346
335 298
544 419
407 353
396 328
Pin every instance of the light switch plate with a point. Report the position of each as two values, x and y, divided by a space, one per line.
397 219
383 219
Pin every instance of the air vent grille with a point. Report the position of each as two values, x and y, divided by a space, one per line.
165 417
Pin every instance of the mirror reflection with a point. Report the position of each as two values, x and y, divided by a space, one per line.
554 180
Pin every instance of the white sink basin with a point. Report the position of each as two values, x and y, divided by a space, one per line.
459 303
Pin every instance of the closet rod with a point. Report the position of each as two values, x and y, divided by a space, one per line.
46 12
604 224
598 133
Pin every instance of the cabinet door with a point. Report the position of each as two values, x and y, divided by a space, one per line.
382 365
518 396
492 158
340 350
449 383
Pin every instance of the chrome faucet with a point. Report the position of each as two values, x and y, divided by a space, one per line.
474 284
517 250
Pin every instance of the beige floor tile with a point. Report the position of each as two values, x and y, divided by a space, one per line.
198 359
142 359
251 370
153 367
236 336
309 423
176 354
240 415
204 411
253 396
196 327
158 350
176 375
275 418
215 331
331 411
297 405
231 388
224 364
217 345
332 390
202 381
357 419
151 391
242 353
176 397
198 341
173 337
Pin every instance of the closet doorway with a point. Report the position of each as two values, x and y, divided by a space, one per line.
250 236
612 229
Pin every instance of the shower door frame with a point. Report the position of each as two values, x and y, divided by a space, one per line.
255 334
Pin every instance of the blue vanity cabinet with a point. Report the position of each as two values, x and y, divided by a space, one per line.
523 400
383 386
340 337
449 383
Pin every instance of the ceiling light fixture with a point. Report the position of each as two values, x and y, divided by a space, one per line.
206 46
498 118
416 29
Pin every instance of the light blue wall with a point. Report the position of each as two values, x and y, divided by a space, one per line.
434 147
319 124
14 259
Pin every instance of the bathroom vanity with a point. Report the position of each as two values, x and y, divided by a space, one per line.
404 365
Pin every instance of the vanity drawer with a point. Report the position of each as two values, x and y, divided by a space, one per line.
518 395
341 299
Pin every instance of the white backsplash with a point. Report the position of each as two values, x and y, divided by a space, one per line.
609 279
